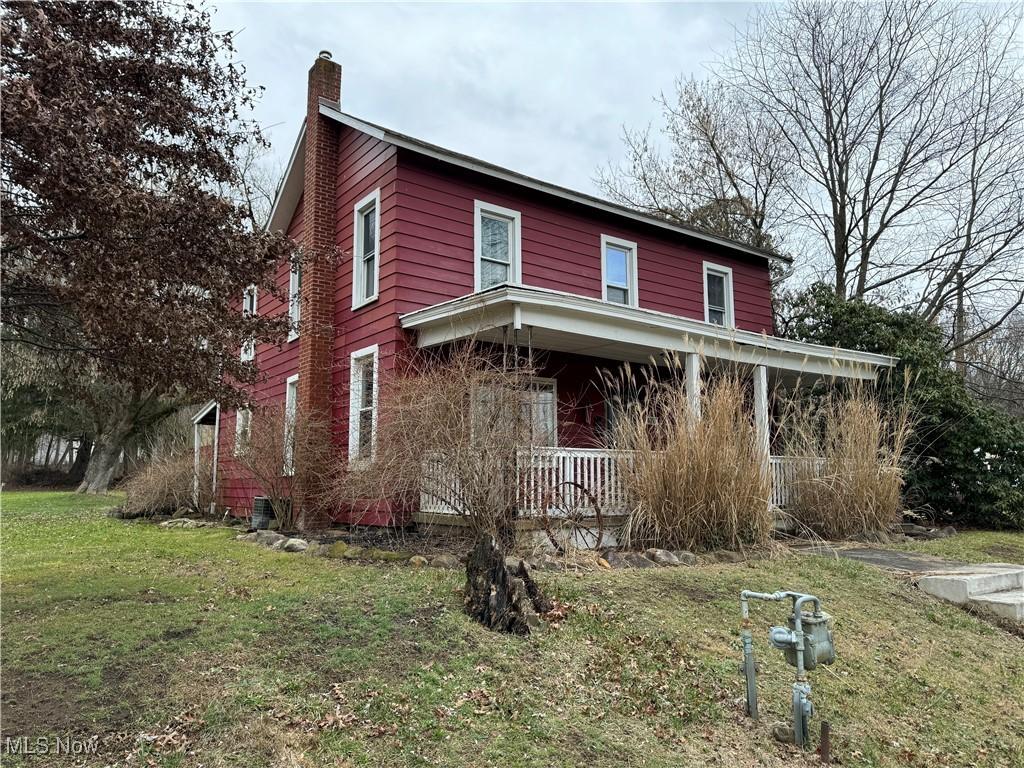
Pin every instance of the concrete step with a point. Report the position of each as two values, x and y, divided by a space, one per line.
962 584
1009 603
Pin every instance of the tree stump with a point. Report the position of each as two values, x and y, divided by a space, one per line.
495 596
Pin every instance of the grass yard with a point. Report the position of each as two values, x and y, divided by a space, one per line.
974 547
186 648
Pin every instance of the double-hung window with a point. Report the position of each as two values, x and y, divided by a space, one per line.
537 402
718 301
362 404
618 271
243 428
497 245
366 250
294 299
291 404
249 310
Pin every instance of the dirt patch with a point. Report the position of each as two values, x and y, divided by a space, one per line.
1008 552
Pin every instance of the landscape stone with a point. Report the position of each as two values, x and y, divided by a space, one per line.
418 561
549 563
352 553
386 555
445 561
269 538
315 549
662 557
638 560
295 545
602 563
337 549
684 557
728 556
615 559
246 537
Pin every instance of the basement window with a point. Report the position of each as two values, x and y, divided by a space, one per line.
618 271
718 302
362 405
497 248
366 250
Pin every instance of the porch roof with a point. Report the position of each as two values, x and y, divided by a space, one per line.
566 322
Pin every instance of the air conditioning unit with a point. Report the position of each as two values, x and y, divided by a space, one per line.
262 512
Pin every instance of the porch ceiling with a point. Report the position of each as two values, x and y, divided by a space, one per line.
564 322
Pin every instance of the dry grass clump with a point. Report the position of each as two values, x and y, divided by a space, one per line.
451 428
166 482
849 475
696 483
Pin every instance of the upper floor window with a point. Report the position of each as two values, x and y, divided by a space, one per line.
295 299
249 310
718 304
362 413
366 250
496 245
618 271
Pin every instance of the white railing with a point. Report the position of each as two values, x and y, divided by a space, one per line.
544 472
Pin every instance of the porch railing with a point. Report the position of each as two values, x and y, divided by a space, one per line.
545 471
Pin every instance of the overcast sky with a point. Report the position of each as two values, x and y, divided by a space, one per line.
542 89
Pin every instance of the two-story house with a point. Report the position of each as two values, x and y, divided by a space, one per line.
440 246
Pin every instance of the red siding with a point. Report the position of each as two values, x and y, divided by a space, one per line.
561 247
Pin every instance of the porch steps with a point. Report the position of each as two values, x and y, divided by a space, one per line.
994 587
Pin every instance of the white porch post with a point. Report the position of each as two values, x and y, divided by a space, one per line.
761 412
693 382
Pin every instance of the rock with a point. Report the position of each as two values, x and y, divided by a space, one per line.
246 537
727 556
446 561
269 538
171 524
181 512
418 561
662 557
117 513
615 559
277 546
684 557
337 549
315 549
602 563
873 537
352 553
295 545
386 555
638 560
548 563
949 530
912 529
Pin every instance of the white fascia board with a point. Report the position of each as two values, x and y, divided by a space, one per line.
584 316
479 166
209 406
290 190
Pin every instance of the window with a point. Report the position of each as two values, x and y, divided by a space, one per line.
243 428
538 410
291 400
618 271
718 307
362 405
366 250
249 310
295 300
496 242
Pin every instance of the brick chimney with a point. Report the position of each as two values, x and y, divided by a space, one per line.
316 332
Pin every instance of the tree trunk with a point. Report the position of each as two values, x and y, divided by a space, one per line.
77 471
495 596
103 462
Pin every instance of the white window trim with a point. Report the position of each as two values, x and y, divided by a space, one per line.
294 302
730 311
358 278
289 457
371 351
249 348
515 267
238 429
630 246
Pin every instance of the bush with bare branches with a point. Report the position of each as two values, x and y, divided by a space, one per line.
451 428
292 459
695 483
851 452
167 481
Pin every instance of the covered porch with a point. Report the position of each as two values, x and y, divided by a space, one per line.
571 340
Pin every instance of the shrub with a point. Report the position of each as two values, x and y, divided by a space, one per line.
850 453
166 481
694 483
451 427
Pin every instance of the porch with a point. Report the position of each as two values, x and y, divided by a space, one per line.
541 470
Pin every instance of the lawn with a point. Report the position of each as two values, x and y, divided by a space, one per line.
187 648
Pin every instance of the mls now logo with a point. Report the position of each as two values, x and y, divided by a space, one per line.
50 745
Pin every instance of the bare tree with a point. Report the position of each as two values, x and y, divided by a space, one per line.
994 366
883 136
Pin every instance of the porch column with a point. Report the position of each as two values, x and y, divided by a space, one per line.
693 382
761 411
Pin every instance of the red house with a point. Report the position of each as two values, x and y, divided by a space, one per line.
441 246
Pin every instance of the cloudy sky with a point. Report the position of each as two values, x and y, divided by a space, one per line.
540 88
